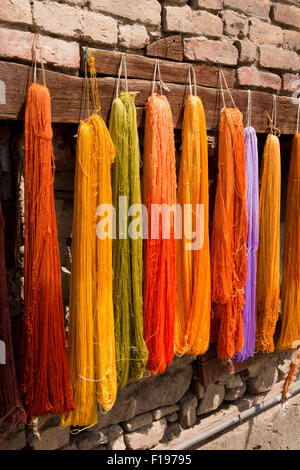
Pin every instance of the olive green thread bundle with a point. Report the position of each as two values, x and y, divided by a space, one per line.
131 351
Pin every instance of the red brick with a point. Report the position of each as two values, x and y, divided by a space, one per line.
292 39
250 76
248 51
288 15
217 52
235 24
265 33
15 11
208 4
289 82
18 45
260 8
186 20
276 58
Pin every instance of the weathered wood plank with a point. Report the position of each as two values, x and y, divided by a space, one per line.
66 93
170 47
141 67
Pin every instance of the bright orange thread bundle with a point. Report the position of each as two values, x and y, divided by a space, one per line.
229 236
290 288
45 385
193 304
268 256
159 186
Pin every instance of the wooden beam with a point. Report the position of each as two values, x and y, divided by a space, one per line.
66 92
141 67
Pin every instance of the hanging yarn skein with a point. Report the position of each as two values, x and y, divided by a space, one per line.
252 203
12 413
268 255
193 304
159 187
131 351
91 336
290 288
45 384
229 236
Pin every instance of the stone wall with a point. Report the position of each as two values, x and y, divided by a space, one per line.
153 411
259 38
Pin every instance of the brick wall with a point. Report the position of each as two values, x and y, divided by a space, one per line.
259 38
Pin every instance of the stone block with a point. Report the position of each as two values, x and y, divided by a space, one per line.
137 422
165 410
187 411
264 381
146 437
214 396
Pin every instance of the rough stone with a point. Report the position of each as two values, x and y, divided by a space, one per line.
259 8
248 51
15 11
264 381
214 396
216 52
232 394
232 381
138 422
251 76
146 437
199 389
187 411
276 58
186 20
287 15
173 430
117 444
133 36
165 410
18 45
265 33
110 433
254 369
235 24
149 393
172 417
52 438
145 11
86 441
208 4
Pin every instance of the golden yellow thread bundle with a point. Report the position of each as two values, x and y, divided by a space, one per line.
290 289
193 305
268 258
91 337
